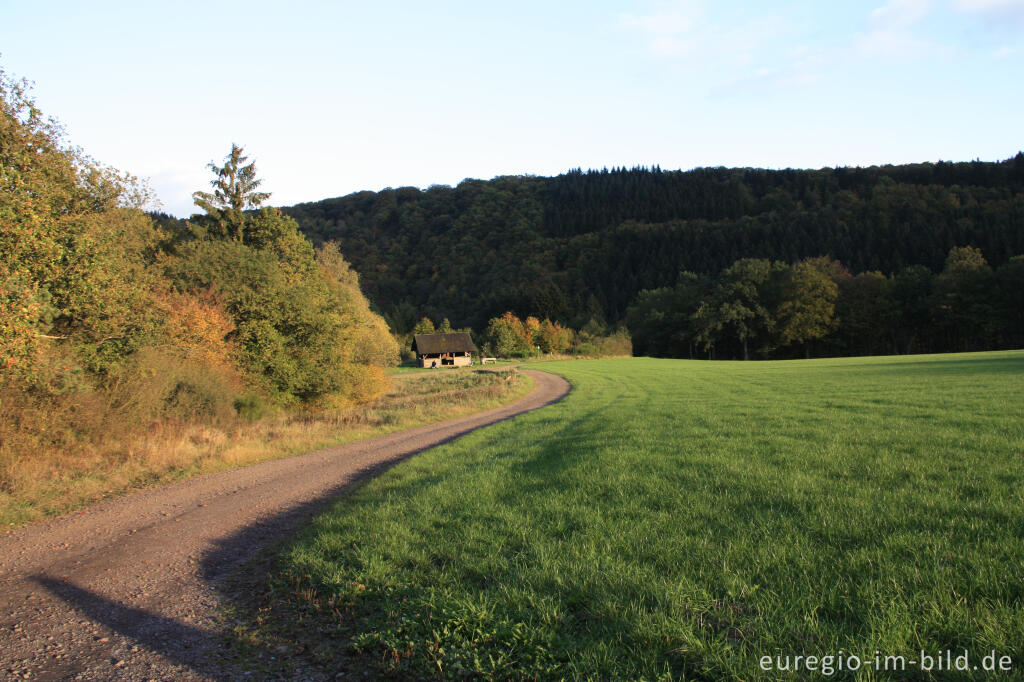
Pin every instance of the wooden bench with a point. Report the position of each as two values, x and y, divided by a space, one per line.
484 361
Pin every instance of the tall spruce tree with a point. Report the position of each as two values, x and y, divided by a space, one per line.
234 191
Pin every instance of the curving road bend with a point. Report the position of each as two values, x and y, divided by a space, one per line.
127 589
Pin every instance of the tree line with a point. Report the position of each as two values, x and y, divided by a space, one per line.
766 309
508 336
110 319
583 245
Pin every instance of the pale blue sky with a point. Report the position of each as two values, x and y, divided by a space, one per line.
335 97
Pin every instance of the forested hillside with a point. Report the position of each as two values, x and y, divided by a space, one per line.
583 245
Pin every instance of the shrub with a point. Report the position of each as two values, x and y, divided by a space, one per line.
252 406
509 336
617 344
198 327
160 384
298 322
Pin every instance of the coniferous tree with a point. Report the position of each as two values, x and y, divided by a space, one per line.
234 191
583 245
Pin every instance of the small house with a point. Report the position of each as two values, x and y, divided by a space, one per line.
454 349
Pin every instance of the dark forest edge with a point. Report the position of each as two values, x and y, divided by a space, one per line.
579 249
759 308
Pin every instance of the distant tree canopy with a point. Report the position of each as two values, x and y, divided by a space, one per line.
583 245
769 310
508 336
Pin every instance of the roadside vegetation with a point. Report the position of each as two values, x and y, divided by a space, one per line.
68 478
681 519
132 350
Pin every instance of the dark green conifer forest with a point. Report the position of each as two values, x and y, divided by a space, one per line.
654 250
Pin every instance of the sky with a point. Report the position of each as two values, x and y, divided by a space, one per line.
331 98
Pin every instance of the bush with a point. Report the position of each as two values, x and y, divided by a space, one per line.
159 384
522 353
617 344
252 406
299 323
509 336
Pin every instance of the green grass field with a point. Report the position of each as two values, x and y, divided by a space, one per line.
675 519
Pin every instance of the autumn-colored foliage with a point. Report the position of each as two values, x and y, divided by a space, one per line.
552 337
198 326
508 336
111 326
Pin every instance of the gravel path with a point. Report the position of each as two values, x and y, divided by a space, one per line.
129 589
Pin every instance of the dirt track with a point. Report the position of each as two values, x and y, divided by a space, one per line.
128 589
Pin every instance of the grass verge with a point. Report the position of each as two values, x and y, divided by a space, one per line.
45 483
679 519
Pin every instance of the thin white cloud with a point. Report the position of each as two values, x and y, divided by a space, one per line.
898 15
806 69
692 32
174 187
892 30
739 53
668 26
667 18
999 12
986 5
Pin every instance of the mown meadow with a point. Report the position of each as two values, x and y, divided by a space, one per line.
682 519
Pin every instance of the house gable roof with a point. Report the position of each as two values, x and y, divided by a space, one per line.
453 342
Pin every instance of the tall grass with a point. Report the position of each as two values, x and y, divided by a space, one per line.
676 519
59 454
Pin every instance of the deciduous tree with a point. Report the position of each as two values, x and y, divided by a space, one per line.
73 244
424 326
964 301
807 310
508 336
735 309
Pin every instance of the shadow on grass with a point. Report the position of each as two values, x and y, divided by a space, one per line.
1001 362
